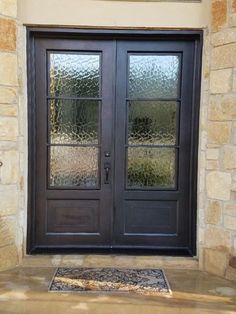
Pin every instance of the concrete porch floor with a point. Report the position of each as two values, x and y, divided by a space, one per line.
24 290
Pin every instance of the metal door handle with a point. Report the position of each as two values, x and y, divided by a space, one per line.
107 167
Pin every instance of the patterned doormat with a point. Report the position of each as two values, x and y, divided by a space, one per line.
142 281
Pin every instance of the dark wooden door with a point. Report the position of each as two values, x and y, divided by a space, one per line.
73 133
153 144
114 144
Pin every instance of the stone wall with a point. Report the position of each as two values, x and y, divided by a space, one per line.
218 150
9 135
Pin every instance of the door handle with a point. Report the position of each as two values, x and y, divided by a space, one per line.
107 167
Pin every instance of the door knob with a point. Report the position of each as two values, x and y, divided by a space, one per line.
107 167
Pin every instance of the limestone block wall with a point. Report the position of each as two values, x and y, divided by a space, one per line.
9 135
218 219
216 214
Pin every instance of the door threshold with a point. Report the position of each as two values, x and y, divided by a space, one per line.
110 260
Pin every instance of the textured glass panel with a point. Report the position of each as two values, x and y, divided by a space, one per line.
152 122
74 75
74 166
74 121
151 167
153 76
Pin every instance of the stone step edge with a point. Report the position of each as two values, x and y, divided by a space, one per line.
109 261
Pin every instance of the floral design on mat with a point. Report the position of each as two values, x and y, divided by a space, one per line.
143 281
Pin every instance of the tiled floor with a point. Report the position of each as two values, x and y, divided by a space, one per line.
25 291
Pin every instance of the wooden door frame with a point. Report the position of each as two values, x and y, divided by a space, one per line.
111 34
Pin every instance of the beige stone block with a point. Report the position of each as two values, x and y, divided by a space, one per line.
212 154
233 196
219 14
203 140
8 69
8 7
203 117
8 110
8 200
229 157
234 5
38 261
162 261
9 257
218 185
202 199
234 82
212 165
67 260
228 105
223 57
233 19
230 222
8 95
219 132
202 180
234 246
99 260
222 109
213 213
220 81
7 34
202 160
110 261
72 261
217 237
233 187
7 230
233 137
201 236
216 261
8 129
225 36
9 173
7 145
230 209
124 261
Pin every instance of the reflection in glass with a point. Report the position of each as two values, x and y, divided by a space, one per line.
74 166
153 76
74 75
151 167
152 122
74 121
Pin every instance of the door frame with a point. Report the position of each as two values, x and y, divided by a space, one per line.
111 34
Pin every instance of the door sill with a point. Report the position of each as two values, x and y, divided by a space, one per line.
110 260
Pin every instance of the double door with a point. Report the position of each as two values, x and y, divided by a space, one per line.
113 144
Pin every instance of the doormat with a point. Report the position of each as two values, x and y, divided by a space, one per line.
141 281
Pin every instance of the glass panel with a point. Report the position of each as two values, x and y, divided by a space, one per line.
74 166
152 122
151 167
74 121
153 76
74 75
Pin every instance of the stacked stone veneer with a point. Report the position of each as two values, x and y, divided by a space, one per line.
217 150
9 135
217 190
